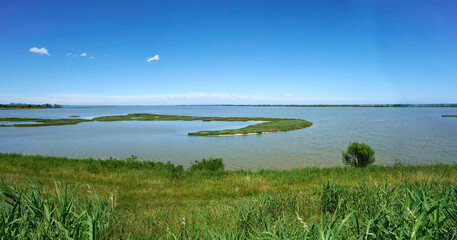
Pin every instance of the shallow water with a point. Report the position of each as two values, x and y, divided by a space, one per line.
411 135
12 123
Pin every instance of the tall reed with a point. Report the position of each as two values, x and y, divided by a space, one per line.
34 213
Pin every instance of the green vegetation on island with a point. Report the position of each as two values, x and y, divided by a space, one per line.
268 125
455 116
61 198
40 122
28 106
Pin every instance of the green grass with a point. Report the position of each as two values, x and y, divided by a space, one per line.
32 212
268 124
162 201
455 116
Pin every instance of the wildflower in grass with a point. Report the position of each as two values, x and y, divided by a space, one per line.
111 201
411 212
301 220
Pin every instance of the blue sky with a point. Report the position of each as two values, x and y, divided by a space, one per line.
242 52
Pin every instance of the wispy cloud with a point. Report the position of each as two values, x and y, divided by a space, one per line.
185 98
40 51
71 55
155 58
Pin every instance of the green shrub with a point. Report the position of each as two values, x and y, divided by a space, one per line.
177 172
132 158
358 155
211 164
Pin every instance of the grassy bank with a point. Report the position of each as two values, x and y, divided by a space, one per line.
268 125
455 116
161 200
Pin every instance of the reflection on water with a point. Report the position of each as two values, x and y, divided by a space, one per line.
11 123
411 135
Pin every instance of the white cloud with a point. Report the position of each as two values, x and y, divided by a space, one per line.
41 51
155 58
289 95
71 55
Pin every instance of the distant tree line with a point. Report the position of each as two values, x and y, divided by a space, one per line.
27 105
342 105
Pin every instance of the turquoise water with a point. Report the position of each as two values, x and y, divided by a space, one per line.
411 135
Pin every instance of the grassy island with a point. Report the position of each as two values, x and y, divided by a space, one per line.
268 125
128 199
455 116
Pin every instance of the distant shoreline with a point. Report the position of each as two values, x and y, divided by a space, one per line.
285 105
28 106
39 108
331 105
255 105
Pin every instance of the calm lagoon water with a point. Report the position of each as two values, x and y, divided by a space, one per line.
10 123
411 135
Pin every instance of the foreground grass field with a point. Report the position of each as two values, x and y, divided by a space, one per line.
146 200
268 125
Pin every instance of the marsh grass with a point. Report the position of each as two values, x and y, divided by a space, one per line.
165 201
268 124
32 212
41 122
404 211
